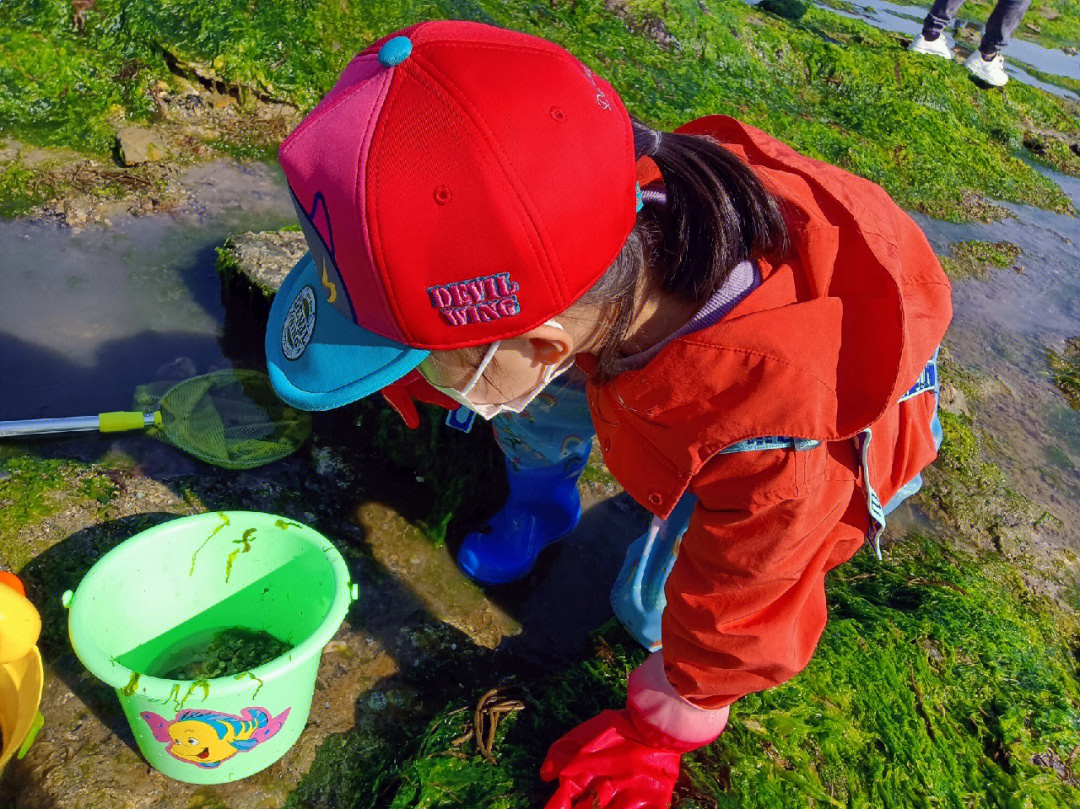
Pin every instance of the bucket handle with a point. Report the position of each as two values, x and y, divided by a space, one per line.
65 599
35 727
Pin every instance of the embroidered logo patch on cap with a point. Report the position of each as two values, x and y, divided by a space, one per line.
299 324
478 300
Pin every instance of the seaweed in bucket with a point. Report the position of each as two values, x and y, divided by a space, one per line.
224 521
132 685
244 541
230 652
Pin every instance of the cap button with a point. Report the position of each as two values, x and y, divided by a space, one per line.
395 51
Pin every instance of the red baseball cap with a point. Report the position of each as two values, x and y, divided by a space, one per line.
460 184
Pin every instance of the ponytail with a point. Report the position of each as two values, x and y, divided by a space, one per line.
712 214
716 213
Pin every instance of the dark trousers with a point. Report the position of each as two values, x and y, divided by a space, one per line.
1003 21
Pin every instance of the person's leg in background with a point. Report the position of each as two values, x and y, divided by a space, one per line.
930 41
987 63
941 14
546 447
1004 20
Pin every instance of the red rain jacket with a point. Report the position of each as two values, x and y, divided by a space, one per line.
835 334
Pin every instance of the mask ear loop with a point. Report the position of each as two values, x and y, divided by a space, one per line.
480 369
487 360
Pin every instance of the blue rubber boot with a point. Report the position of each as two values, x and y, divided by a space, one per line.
543 506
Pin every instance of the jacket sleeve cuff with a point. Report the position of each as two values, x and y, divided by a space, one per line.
665 717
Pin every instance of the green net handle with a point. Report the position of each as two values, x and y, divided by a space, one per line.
119 421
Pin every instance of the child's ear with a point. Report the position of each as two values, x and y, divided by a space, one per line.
547 352
551 345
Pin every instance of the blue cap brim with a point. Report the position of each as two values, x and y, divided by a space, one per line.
317 358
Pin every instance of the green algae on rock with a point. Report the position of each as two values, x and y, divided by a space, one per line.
1066 369
973 259
1055 150
448 465
966 492
938 674
835 88
1067 82
32 489
970 494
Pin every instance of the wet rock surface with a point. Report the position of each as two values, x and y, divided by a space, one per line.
137 146
262 260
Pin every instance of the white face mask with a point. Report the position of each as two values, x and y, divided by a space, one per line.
516 405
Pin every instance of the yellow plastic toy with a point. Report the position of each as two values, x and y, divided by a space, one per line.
21 673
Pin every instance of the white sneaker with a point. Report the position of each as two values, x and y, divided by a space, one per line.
932 47
992 72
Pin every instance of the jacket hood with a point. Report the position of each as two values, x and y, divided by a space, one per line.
839 328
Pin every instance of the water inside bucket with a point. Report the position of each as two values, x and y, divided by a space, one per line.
219 654
248 609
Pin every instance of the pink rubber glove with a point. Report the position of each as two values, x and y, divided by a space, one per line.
400 395
629 759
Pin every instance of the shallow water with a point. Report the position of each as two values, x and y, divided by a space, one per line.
1002 327
87 315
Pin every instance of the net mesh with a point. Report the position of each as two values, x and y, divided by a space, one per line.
230 418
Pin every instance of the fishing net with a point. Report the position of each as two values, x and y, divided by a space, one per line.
230 418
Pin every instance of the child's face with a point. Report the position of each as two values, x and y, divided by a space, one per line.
516 368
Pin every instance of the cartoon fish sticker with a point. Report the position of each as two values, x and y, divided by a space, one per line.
207 738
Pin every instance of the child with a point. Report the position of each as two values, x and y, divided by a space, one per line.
757 329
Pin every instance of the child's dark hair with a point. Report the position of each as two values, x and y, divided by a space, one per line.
712 214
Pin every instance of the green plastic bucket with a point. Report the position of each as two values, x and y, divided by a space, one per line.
168 590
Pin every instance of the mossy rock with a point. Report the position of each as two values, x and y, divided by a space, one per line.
973 259
261 260
32 489
1066 369
788 9
966 492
